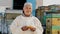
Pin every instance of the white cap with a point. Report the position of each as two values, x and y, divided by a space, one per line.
28 3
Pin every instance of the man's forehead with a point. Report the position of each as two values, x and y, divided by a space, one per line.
28 6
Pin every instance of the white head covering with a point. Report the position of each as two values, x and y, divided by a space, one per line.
28 3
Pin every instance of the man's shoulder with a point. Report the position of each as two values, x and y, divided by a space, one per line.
19 16
36 19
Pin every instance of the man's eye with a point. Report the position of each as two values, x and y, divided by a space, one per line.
29 8
26 7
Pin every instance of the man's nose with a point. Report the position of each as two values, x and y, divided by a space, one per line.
28 9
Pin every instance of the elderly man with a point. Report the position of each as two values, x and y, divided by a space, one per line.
26 23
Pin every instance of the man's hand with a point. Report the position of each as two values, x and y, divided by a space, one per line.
33 29
24 28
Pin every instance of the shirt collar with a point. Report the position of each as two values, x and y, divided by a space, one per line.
25 16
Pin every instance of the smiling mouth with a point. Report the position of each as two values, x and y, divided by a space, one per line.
27 11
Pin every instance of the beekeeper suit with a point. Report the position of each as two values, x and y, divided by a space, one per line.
26 23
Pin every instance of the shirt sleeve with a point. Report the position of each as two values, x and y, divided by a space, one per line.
13 26
38 25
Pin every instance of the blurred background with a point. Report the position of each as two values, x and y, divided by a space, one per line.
47 11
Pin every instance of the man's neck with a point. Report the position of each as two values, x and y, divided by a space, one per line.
26 15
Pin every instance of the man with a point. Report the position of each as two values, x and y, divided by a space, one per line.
26 23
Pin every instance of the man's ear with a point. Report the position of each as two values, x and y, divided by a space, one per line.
23 8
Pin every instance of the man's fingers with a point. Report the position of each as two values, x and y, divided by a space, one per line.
24 28
33 29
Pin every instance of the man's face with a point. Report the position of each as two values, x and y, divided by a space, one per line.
27 10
